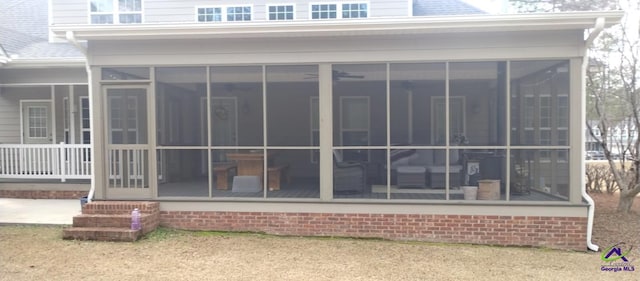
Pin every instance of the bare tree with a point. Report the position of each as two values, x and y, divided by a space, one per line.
530 6
614 104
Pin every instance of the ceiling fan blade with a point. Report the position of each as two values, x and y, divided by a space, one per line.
353 76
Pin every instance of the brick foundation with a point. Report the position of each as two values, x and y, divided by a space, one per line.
43 194
553 232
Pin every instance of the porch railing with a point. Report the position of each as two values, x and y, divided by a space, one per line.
45 161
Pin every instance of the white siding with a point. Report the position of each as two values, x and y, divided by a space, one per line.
434 47
69 11
159 11
43 75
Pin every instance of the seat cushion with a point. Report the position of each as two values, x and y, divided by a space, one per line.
441 169
412 170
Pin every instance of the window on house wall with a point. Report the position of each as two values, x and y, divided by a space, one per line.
355 123
343 10
280 12
85 123
220 14
115 11
354 10
209 14
65 112
456 118
239 13
324 11
37 122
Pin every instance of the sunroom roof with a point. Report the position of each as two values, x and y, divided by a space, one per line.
379 26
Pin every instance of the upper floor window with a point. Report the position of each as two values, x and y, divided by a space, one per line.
354 10
344 10
239 13
324 11
218 14
116 11
280 12
209 14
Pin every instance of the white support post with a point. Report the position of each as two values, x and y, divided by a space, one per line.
63 168
73 115
326 129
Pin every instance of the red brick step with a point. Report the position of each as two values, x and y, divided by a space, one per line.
102 234
111 221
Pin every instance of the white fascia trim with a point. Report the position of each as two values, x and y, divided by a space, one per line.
371 26
43 63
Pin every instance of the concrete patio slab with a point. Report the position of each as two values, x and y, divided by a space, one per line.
38 211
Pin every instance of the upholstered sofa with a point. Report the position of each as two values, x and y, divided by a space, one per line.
433 160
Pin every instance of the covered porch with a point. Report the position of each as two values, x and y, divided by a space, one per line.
45 129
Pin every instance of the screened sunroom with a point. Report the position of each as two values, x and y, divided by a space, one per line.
380 110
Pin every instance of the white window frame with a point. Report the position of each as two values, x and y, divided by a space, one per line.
435 120
84 129
267 13
197 14
356 3
223 12
46 118
115 13
367 129
226 12
338 9
66 120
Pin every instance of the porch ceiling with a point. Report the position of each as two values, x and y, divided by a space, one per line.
381 26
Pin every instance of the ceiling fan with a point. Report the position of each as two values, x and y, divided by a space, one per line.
233 87
337 75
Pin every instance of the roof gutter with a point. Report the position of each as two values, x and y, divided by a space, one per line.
310 28
597 29
71 37
42 63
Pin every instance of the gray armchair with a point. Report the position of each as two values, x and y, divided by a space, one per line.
348 177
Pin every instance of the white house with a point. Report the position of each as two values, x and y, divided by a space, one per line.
349 118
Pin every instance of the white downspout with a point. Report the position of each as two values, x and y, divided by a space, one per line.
71 37
597 29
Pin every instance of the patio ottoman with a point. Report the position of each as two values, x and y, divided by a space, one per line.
412 176
246 184
438 180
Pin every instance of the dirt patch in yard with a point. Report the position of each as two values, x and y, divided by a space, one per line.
39 253
611 227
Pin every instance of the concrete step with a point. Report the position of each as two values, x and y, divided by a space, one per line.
101 220
115 234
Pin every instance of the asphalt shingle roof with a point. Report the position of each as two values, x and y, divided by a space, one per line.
24 31
443 8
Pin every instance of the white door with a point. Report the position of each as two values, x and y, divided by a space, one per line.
36 122
224 121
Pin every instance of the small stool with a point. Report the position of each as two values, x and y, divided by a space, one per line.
412 176
246 184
